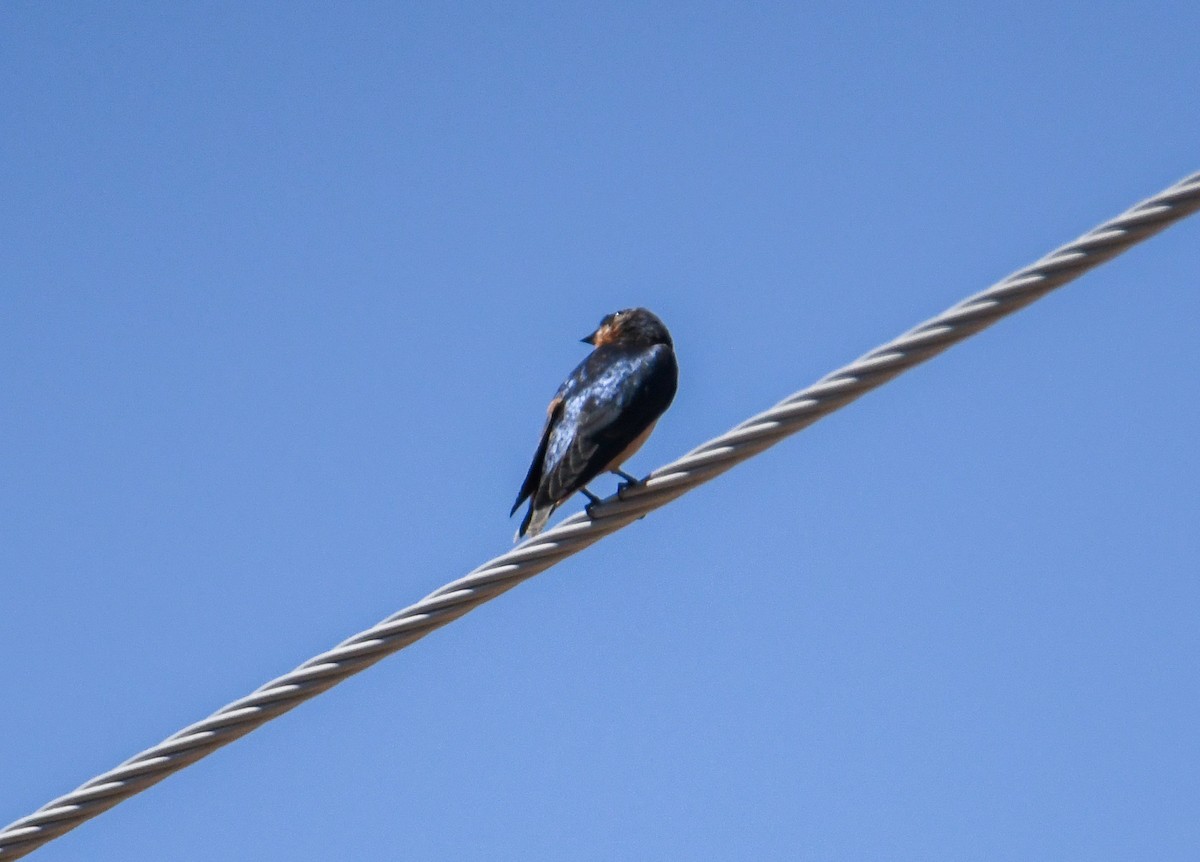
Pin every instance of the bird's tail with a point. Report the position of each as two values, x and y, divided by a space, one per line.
535 520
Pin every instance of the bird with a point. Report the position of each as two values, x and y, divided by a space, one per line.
601 414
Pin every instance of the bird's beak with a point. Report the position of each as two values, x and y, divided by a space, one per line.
589 339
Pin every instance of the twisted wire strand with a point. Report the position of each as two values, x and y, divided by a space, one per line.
577 532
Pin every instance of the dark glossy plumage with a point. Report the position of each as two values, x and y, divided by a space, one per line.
602 412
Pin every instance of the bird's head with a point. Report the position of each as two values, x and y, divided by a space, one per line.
634 326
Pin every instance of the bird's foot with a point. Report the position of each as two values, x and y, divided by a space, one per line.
592 500
630 482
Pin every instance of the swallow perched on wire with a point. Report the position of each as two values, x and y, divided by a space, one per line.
602 413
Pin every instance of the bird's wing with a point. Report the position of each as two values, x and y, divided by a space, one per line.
572 446
534 477
603 417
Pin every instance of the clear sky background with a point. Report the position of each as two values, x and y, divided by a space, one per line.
284 291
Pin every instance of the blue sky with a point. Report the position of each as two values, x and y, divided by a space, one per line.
286 290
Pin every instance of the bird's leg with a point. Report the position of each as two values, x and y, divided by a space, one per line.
592 500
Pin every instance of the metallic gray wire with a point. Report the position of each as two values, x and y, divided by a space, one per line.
501 574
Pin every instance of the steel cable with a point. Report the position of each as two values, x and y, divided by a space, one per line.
575 533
